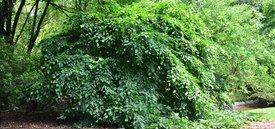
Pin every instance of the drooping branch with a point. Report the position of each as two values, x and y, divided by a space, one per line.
61 9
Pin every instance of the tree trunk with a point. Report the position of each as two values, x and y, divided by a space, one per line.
8 8
34 18
34 37
25 23
2 19
16 18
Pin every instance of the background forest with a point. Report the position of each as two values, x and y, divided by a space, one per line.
137 63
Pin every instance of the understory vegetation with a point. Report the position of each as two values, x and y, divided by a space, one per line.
142 63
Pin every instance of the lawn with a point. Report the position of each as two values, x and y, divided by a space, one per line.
263 113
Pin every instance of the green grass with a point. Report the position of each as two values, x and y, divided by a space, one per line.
263 113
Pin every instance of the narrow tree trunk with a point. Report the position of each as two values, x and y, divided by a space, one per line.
8 13
76 5
80 4
25 23
9 17
34 18
16 18
2 19
33 39
85 5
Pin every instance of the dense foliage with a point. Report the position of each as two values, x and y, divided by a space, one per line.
133 66
247 65
16 69
138 63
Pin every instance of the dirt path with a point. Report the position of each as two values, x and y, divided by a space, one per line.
15 120
35 120
260 125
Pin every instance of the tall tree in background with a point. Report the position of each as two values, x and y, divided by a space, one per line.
36 27
11 10
8 24
10 18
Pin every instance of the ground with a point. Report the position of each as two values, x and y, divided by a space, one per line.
265 117
34 120
263 113
267 124
39 120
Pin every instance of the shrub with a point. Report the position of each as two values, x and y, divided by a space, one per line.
16 70
132 67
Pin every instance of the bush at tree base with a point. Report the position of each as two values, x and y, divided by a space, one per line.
16 69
